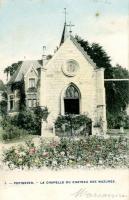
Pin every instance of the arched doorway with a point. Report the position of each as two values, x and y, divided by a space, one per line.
72 100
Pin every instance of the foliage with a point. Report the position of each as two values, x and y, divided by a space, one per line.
87 152
13 132
117 97
29 120
117 92
126 121
4 95
3 104
2 86
3 107
97 54
41 113
118 120
32 89
12 69
20 85
73 124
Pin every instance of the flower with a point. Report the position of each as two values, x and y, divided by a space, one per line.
45 154
100 162
16 151
32 150
22 153
54 162
37 161
71 157
62 153
70 161
20 160
84 153
79 158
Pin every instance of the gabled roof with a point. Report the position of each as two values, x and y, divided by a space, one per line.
25 66
63 37
80 48
22 70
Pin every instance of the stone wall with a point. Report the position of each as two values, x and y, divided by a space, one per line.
54 83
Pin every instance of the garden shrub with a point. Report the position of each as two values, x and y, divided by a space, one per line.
29 120
69 124
126 122
41 113
3 107
12 132
116 120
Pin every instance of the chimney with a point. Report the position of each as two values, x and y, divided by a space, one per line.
44 57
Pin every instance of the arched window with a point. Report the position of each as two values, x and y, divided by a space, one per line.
71 93
72 100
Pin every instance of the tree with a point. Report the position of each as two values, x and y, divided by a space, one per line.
3 104
98 55
12 69
117 93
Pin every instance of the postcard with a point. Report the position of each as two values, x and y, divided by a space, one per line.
64 99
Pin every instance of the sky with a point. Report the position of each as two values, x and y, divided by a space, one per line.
28 25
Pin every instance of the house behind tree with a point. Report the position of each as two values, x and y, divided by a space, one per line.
23 86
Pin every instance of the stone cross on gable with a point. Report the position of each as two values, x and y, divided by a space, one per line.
70 27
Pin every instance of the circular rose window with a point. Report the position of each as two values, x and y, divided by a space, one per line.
71 67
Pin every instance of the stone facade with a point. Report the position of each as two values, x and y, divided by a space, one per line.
71 66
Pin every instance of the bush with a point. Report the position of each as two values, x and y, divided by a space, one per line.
116 120
29 120
3 107
12 132
41 113
73 124
126 120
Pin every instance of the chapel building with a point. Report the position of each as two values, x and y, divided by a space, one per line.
71 83
68 83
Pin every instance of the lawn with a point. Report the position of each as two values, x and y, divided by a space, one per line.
22 138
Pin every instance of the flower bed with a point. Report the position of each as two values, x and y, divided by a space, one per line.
88 152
